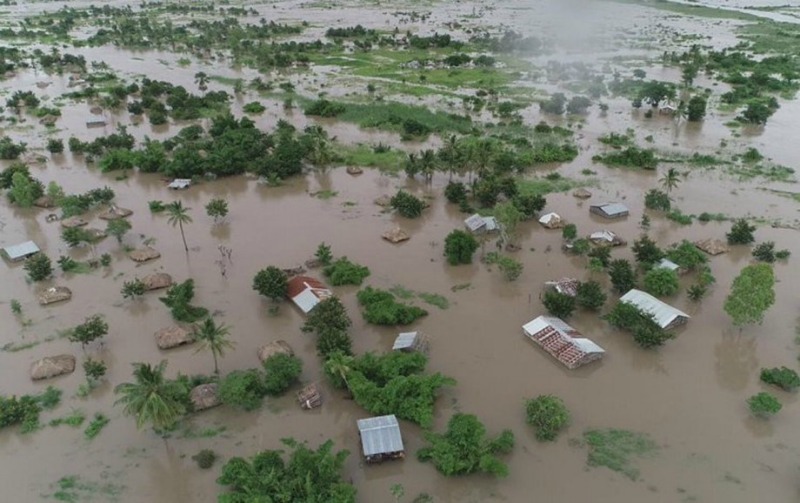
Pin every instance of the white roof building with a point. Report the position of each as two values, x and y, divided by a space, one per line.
665 315
477 224
609 210
380 438
21 251
180 183
562 341
307 292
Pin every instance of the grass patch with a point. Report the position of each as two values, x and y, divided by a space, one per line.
366 156
434 299
402 292
401 117
543 186
615 449
74 419
214 431
228 81
770 173
692 10
325 194
72 489
96 426
13 347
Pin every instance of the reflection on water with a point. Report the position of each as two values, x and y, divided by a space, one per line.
735 359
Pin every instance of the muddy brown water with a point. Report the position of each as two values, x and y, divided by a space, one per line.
689 395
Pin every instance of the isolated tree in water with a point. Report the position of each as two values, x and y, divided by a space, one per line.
752 293
214 338
151 397
670 180
179 215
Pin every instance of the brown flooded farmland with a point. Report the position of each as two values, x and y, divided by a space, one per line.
294 119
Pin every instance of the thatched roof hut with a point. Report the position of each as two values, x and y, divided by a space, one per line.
44 202
552 221
309 397
157 281
54 294
383 201
582 193
144 254
396 235
205 396
115 213
71 222
171 337
354 170
52 366
712 246
274 348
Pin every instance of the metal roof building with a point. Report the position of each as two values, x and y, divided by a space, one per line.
477 224
180 183
380 438
606 237
307 292
666 263
610 210
551 220
15 253
562 341
665 315
566 286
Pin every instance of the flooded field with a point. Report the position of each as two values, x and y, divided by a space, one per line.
689 395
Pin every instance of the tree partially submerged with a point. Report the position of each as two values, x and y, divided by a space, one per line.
281 370
548 415
307 475
464 448
459 246
272 283
381 308
344 272
177 299
642 325
93 328
751 295
559 304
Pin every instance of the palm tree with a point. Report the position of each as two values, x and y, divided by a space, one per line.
340 364
179 214
428 163
670 180
201 79
152 398
214 338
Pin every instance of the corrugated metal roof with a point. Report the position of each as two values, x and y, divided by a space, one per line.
612 209
549 217
180 183
306 300
474 222
405 340
380 435
543 322
491 224
20 251
663 313
666 263
588 346
558 339
604 235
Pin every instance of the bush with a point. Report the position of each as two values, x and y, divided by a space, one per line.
764 405
344 272
687 255
205 458
622 275
529 204
633 157
381 308
132 289
325 108
55 145
657 200
569 232
784 378
646 251
548 415
765 252
282 371
558 304
177 298
741 233
661 282
334 340
696 109
455 192
39 267
510 268
646 332
271 282
242 389
254 107
590 295
407 205
459 247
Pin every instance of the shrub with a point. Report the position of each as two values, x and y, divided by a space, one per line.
91 329
646 332
242 389
254 107
39 267
132 289
407 204
325 108
510 268
657 200
622 275
178 297
784 378
282 371
323 254
646 251
548 415
590 295
344 272
764 405
271 282
529 204
381 308
696 109
55 145
455 192
569 232
741 233
459 247
558 304
687 255
661 282
205 458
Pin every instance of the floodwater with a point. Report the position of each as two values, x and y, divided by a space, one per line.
689 396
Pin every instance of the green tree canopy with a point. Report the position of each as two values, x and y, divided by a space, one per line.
459 246
751 295
151 398
271 282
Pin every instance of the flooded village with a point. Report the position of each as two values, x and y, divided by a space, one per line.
410 251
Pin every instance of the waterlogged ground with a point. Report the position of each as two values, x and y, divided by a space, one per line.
689 396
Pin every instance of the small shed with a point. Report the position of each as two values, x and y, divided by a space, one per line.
95 123
307 292
54 294
582 193
666 263
52 366
274 348
15 253
712 246
606 238
380 438
562 342
610 210
410 342
665 315
478 224
180 183
309 397
551 220
396 235
566 286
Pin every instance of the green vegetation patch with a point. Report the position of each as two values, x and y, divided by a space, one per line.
617 449
73 489
542 186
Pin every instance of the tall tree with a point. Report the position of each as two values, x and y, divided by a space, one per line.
670 180
752 293
214 338
151 397
201 79
179 215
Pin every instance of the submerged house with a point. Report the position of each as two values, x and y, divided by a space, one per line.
606 238
15 253
180 183
551 220
665 316
666 263
477 224
307 292
566 286
380 438
610 210
410 342
563 342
